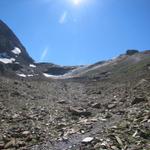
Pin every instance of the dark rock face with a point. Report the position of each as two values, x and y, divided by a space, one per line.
56 70
131 52
138 100
8 41
79 111
7 67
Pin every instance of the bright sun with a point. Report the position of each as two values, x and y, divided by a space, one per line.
76 2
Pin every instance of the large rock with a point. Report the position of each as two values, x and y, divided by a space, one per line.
137 100
79 111
88 140
10 144
131 52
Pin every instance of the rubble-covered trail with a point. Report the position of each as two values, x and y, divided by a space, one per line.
69 114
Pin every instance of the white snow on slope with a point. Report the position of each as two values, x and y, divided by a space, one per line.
32 65
16 51
22 75
53 76
67 75
48 75
30 75
7 61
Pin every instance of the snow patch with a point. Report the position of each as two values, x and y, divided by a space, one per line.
22 75
32 65
16 51
65 76
30 75
53 76
47 75
7 61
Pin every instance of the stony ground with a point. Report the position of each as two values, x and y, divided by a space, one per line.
104 109
75 114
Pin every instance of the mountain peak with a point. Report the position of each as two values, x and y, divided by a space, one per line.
11 45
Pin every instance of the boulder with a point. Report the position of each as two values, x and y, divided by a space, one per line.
10 144
137 100
88 140
96 105
131 52
79 111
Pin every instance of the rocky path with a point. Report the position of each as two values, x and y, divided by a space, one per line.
72 115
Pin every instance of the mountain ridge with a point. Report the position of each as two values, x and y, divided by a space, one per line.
9 41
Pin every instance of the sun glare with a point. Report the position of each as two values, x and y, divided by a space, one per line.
76 2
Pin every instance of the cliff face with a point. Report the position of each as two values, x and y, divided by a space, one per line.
9 42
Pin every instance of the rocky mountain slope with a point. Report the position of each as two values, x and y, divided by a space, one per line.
43 106
15 60
11 47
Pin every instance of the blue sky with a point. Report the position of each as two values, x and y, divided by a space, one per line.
67 33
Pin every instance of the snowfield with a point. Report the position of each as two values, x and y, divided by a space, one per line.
22 75
28 75
53 76
16 51
32 65
7 60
